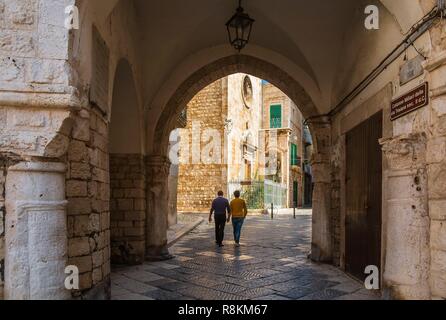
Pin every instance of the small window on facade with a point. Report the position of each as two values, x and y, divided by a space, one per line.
294 155
276 116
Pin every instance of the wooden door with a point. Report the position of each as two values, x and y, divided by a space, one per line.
363 197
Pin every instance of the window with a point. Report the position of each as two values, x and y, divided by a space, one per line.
294 155
275 115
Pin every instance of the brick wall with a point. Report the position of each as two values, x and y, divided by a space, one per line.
199 183
127 208
88 194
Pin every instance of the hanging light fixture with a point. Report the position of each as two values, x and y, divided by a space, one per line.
239 28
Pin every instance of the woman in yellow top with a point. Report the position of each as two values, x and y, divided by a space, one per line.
238 212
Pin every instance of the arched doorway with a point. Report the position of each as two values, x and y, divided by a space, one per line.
127 180
322 237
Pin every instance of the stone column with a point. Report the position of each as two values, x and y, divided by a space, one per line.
157 171
321 243
436 163
36 232
406 232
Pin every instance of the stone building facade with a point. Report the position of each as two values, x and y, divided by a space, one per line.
58 132
287 124
243 121
230 108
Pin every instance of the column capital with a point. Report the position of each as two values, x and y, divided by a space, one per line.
39 166
157 167
405 152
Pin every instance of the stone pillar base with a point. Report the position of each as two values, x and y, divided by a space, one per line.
158 253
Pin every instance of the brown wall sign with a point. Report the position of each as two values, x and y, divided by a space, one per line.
411 101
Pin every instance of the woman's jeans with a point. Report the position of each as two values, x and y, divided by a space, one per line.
237 224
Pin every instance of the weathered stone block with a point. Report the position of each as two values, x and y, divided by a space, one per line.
438 235
80 170
134 193
97 258
95 223
47 72
84 264
99 141
79 206
100 175
22 13
81 129
85 281
125 204
81 226
437 180
134 232
97 275
100 206
436 150
13 69
76 188
78 247
78 151
125 224
436 209
53 11
134 216
106 268
53 42
17 44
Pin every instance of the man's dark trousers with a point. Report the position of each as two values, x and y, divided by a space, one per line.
220 222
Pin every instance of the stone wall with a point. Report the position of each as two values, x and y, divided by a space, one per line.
127 208
436 169
337 162
88 195
199 183
2 226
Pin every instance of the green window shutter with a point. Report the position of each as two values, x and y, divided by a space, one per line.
294 160
275 116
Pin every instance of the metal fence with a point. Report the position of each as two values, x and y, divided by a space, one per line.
260 194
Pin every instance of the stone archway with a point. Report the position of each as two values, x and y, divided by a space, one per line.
321 244
217 70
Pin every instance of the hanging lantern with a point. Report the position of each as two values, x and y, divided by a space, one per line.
239 28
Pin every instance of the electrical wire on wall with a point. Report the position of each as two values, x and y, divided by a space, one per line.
416 31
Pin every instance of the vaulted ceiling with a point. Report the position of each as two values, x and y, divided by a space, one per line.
322 41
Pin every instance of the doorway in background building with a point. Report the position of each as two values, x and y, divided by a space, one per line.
295 193
363 197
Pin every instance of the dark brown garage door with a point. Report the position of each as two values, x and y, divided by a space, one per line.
363 197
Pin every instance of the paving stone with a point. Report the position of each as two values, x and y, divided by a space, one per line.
266 267
255 293
131 296
272 297
160 294
326 294
229 288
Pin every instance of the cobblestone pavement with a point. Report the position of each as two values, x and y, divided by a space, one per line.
271 264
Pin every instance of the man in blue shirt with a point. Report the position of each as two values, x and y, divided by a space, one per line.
220 208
